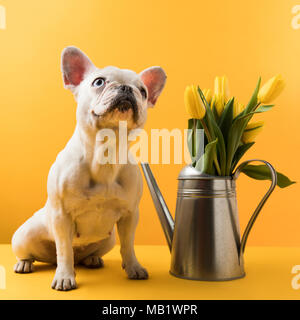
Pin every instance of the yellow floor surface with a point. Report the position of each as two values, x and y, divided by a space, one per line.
268 269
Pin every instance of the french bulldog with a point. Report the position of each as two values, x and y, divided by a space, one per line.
86 198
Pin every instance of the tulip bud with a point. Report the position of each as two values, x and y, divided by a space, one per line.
271 89
237 108
251 131
208 95
221 93
193 103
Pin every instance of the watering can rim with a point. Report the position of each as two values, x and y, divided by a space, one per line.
189 173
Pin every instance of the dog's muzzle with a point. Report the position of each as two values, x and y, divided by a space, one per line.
124 101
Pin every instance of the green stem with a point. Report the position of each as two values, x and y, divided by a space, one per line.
194 138
258 104
209 138
206 130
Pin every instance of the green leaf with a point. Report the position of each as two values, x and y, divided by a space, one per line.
226 119
253 101
199 126
215 132
206 164
260 109
264 108
234 138
215 112
241 150
261 172
238 126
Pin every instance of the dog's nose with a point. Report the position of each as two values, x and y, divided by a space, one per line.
125 88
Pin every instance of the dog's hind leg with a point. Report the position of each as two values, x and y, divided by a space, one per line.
24 266
31 242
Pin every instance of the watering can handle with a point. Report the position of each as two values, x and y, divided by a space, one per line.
262 202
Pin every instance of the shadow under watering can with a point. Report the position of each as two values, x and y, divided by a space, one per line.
204 239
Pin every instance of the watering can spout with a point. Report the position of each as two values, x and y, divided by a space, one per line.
163 212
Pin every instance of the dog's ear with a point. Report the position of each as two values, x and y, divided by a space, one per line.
154 79
74 66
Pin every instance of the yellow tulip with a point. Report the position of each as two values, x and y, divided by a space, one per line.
207 94
271 89
219 103
193 103
252 130
221 93
237 108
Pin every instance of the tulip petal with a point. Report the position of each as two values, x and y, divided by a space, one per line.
252 130
271 89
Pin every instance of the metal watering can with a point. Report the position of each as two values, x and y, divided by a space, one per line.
205 239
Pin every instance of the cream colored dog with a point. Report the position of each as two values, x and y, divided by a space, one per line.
85 198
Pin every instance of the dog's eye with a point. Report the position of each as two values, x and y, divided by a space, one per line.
99 82
143 92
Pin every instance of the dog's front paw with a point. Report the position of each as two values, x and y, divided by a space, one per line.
135 271
63 281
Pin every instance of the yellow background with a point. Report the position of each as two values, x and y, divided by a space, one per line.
267 277
193 41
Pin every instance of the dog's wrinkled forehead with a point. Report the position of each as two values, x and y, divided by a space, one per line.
122 76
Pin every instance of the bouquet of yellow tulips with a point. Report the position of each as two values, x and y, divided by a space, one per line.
229 131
